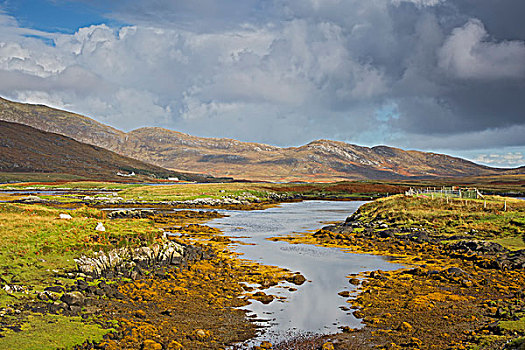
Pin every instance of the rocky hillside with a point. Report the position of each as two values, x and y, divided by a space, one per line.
316 161
24 149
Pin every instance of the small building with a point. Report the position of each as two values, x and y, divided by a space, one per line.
125 175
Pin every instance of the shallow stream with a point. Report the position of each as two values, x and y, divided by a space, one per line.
315 307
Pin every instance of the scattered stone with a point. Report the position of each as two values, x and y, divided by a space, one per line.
65 216
54 289
266 345
262 297
149 344
13 288
346 329
201 333
75 310
42 296
53 296
100 227
386 234
456 272
57 306
328 346
140 314
133 214
296 279
73 298
354 281
82 285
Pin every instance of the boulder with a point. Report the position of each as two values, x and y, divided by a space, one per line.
73 298
296 279
54 289
456 272
149 344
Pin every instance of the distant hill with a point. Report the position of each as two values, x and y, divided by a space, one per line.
24 149
321 160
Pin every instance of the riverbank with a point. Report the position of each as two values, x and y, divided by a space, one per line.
180 285
463 284
147 290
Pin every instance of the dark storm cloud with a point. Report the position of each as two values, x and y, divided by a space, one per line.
502 18
411 73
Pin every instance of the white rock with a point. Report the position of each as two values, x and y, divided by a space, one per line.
65 216
100 227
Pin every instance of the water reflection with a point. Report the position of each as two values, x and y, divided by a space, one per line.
315 307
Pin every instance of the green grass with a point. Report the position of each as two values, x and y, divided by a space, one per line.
518 326
189 191
181 192
35 243
511 243
481 219
45 332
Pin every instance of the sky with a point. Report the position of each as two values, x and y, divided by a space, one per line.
445 76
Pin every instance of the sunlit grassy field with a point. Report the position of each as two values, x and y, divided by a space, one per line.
191 191
36 243
501 219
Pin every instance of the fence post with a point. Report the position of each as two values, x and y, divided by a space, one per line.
505 206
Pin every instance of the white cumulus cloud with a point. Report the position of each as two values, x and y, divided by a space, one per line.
468 53
284 71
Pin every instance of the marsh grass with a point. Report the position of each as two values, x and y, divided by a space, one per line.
36 244
499 218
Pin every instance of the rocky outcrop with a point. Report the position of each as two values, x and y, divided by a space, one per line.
483 253
126 261
495 255
131 214
131 262
197 202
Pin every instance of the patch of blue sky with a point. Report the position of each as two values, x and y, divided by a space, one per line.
58 16
505 157
47 41
387 112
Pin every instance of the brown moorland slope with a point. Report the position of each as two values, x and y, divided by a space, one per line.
321 160
24 149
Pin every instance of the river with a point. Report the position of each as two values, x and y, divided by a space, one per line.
315 307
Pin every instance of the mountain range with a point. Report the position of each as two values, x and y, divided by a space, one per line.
24 149
320 160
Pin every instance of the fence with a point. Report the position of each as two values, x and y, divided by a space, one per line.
449 192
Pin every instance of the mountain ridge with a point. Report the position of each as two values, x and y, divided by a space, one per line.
25 149
319 160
